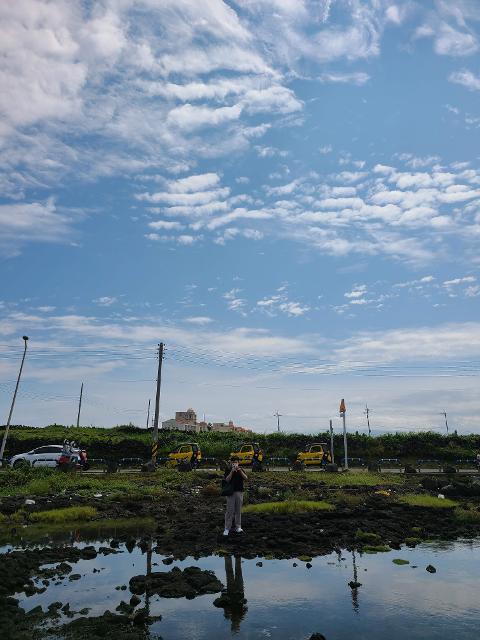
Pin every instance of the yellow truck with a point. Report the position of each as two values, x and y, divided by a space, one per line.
317 453
249 454
185 456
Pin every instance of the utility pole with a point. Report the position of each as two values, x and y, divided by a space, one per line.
278 416
79 405
367 412
343 411
7 427
157 404
331 442
444 414
148 412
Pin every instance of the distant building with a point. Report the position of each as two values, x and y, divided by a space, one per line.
187 421
186 417
228 426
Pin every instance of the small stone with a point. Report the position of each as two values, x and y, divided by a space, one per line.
140 617
431 569
29 502
134 600
308 565
354 585
74 576
295 564
259 564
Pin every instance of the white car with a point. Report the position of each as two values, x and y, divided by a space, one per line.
47 456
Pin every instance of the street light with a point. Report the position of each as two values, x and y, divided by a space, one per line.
5 435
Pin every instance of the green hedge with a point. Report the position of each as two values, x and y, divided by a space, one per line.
131 441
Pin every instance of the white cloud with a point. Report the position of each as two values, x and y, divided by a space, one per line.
199 320
200 182
359 78
192 199
456 340
357 292
466 78
294 309
106 301
457 281
235 303
167 225
24 222
189 117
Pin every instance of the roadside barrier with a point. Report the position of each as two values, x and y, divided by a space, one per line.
277 462
389 463
354 462
428 464
131 462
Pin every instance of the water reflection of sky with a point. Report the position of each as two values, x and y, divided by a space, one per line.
289 603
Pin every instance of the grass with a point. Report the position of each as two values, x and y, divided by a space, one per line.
67 515
467 516
42 482
357 478
289 506
431 502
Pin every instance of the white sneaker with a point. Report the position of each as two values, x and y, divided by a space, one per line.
226 532
239 530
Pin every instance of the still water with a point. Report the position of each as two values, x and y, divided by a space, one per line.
290 603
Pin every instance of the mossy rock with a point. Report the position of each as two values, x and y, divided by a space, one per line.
412 541
400 561
379 548
366 536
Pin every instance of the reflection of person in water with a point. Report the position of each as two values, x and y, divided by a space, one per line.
232 600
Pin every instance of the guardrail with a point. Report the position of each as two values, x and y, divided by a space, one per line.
389 463
277 462
354 462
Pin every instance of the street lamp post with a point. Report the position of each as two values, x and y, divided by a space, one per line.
5 435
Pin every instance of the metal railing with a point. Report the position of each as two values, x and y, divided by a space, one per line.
277 462
354 462
389 463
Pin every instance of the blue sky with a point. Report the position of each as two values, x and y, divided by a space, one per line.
287 193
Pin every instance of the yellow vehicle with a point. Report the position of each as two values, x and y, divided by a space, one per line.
249 454
317 453
185 455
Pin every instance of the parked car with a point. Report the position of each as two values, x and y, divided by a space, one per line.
52 455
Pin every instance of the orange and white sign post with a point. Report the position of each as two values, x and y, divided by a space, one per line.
343 411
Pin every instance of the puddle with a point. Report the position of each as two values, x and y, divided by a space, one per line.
286 602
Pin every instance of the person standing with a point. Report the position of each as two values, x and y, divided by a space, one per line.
235 476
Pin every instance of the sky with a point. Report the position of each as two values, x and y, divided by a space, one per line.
284 192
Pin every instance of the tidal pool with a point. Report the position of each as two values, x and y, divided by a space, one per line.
285 602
